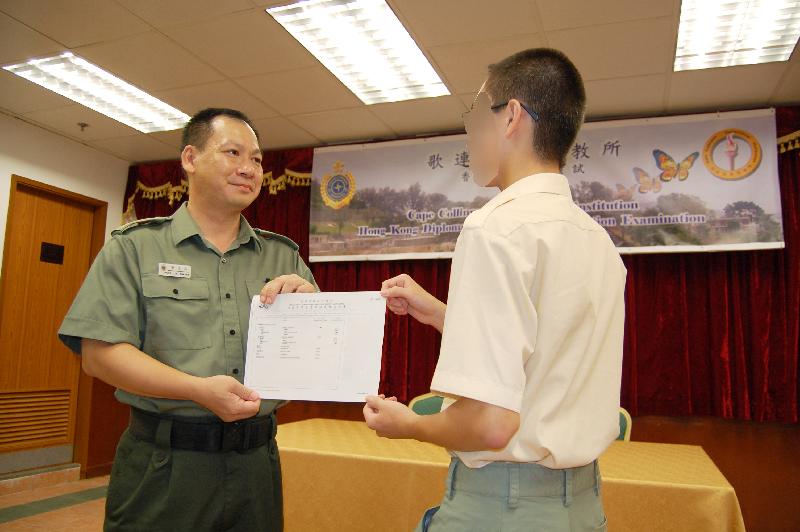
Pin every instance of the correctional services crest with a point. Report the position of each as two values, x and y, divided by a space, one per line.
721 152
338 187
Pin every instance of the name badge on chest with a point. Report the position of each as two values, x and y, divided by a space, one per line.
174 270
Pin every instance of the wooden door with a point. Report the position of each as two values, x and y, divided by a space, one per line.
52 236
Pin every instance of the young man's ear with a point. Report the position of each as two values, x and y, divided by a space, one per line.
514 119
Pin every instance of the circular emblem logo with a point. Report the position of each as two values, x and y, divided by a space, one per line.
722 158
338 188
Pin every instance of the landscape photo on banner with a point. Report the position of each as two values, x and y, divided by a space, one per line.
674 184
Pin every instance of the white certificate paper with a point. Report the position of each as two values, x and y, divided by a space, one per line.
324 346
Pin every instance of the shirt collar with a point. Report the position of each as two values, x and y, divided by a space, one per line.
546 183
184 226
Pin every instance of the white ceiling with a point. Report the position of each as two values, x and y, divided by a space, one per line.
203 53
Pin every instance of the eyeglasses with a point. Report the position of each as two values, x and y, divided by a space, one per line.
530 111
481 107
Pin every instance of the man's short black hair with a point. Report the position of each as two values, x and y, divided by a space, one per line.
198 130
546 81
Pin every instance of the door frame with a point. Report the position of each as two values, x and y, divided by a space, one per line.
80 443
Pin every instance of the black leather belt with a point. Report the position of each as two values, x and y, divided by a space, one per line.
205 434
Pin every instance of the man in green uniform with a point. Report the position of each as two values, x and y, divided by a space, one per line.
163 316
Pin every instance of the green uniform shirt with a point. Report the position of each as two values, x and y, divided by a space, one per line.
196 323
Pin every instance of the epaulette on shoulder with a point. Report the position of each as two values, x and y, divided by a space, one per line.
269 235
139 223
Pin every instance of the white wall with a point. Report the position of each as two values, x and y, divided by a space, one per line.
38 154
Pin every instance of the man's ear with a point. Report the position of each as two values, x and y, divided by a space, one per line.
188 156
514 118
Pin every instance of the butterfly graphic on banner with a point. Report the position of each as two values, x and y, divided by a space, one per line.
669 170
646 183
624 193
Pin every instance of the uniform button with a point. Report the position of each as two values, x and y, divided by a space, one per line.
174 290
227 296
232 332
235 371
224 260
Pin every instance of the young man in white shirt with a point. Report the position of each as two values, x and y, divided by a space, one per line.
531 355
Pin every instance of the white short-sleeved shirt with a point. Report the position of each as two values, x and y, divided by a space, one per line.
534 324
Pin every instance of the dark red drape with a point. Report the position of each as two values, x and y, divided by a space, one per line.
717 333
287 211
164 174
706 333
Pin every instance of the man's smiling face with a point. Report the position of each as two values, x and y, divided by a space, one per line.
226 171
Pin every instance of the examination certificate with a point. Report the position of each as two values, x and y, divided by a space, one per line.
324 346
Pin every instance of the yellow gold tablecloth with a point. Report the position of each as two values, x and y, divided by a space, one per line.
338 475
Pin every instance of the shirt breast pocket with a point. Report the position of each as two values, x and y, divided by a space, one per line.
177 312
254 287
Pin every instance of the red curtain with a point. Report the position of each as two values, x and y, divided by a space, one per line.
148 191
706 333
285 212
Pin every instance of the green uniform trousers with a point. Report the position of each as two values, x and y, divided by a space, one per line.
155 488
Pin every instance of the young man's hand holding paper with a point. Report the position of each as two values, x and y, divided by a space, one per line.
322 346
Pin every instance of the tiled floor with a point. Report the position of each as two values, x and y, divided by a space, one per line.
11 483
72 506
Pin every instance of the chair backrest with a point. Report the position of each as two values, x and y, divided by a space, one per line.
624 425
426 404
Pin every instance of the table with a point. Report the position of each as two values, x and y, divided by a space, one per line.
338 475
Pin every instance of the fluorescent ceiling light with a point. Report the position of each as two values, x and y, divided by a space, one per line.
364 45
736 32
81 81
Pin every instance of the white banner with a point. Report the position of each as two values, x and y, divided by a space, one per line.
688 183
